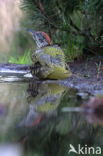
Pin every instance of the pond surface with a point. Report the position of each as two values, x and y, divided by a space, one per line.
38 117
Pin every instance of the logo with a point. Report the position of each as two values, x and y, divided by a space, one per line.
84 149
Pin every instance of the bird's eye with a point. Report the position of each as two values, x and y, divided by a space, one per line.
41 38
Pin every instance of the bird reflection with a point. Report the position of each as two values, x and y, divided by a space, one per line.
43 100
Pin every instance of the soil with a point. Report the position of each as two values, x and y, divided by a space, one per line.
87 75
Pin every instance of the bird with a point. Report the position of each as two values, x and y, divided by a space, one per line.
48 59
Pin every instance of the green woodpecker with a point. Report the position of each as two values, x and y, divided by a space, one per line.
44 100
48 60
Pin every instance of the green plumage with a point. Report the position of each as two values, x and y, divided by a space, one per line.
49 63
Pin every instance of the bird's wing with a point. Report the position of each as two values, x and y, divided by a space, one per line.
51 56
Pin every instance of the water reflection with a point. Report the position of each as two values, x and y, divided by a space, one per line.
95 105
44 101
13 106
31 115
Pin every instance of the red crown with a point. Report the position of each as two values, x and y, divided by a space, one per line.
46 36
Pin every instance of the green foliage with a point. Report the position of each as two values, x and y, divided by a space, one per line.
25 59
73 48
53 17
81 20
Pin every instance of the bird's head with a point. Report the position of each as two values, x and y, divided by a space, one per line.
42 39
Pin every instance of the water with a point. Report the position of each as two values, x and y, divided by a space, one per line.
33 116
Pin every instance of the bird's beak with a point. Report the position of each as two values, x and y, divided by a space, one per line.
32 32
